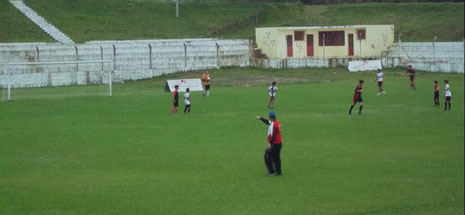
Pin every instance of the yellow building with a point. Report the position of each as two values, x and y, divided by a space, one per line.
324 41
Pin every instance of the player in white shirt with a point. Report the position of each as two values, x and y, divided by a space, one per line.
272 92
380 79
187 101
447 95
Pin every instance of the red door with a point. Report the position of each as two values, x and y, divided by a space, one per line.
289 45
309 44
351 44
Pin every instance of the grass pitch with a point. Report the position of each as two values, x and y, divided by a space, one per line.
127 155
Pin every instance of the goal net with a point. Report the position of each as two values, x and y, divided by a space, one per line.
51 80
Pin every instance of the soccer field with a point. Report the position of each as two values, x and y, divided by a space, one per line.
126 154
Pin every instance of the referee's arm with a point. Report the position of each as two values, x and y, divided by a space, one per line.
267 122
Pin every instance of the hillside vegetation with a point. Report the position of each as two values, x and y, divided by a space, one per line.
15 27
87 20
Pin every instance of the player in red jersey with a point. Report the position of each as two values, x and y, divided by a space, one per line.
357 98
273 150
174 109
411 73
436 94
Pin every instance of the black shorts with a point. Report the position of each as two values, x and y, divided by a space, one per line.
207 87
380 83
175 104
448 98
188 106
436 96
412 77
358 99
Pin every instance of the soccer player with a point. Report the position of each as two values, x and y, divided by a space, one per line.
436 93
447 95
206 83
272 91
411 73
273 149
174 110
380 79
187 101
357 98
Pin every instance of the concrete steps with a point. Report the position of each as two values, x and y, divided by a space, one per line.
51 30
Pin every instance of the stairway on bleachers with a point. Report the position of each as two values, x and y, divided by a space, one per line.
41 22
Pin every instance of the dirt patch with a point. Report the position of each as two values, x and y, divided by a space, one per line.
260 81
236 24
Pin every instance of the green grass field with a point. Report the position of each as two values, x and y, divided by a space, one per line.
127 155
87 20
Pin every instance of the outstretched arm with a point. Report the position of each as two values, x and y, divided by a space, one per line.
263 120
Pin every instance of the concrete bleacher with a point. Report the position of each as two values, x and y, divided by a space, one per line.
131 60
442 57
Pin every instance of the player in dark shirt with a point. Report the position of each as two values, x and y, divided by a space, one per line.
436 94
357 98
174 110
411 73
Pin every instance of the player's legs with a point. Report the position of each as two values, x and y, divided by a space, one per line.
276 155
269 161
207 89
360 108
352 106
271 103
175 108
447 104
380 87
412 83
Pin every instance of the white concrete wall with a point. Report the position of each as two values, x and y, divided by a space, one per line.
132 60
442 57
292 63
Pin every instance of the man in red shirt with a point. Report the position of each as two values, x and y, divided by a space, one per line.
411 73
273 150
174 110
357 98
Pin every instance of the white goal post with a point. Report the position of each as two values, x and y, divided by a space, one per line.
7 67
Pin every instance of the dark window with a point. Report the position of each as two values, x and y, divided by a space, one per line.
298 35
331 38
361 34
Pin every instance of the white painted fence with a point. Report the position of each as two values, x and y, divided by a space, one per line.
132 60
433 57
